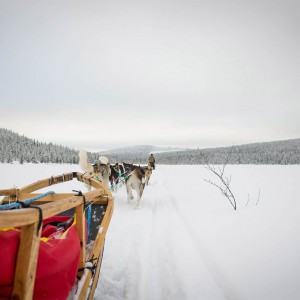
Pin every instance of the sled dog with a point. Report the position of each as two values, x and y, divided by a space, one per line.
135 180
116 177
100 170
147 169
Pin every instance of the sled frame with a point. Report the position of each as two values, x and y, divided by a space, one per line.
28 218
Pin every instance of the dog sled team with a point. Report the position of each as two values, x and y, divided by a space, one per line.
134 176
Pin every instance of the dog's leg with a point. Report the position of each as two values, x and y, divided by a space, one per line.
138 199
147 179
112 184
116 188
129 191
139 189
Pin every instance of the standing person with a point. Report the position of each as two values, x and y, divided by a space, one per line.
152 161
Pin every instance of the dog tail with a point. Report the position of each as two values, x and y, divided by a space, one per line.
103 160
83 162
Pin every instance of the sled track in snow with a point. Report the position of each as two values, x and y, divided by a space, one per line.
150 253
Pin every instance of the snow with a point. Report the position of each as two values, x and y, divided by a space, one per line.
185 241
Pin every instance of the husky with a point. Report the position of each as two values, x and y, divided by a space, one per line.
100 170
136 180
148 170
116 177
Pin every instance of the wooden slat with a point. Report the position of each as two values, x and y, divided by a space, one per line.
25 216
46 182
96 252
8 192
26 262
80 225
35 186
100 248
60 196
55 208
85 286
48 198
18 218
21 217
102 230
107 217
96 195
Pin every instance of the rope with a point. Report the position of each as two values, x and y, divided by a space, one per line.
121 179
89 217
26 205
86 207
27 201
90 265
92 202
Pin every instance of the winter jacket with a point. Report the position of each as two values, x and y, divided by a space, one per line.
151 159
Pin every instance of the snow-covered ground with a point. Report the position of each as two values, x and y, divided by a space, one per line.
185 241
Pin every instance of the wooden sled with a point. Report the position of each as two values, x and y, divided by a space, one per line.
28 219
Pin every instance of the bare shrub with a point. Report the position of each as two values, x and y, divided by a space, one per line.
224 182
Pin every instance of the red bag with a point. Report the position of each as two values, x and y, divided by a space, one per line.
58 260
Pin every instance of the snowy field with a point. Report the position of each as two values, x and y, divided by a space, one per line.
185 241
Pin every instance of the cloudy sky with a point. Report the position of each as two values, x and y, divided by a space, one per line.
114 73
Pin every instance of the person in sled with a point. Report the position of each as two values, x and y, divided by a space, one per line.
152 161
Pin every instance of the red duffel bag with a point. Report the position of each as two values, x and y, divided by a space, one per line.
58 259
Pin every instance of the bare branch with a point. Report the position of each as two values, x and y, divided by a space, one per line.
248 200
225 191
258 197
224 186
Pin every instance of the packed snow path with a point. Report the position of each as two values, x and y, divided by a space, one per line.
150 253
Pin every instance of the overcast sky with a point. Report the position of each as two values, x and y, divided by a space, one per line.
104 74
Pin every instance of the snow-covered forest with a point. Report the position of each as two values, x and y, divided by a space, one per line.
274 153
14 147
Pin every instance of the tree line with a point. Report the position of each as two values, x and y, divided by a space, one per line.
15 147
276 153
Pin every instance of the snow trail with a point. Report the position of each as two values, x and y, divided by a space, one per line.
149 253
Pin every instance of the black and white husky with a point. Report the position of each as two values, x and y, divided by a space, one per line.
100 170
116 177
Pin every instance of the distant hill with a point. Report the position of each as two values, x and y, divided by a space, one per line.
277 152
15 147
136 154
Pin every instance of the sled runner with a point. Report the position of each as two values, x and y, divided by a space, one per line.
51 244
